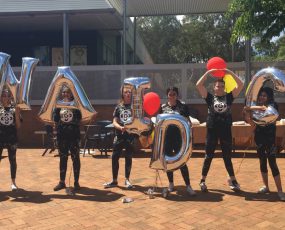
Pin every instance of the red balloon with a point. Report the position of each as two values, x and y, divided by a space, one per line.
151 103
217 63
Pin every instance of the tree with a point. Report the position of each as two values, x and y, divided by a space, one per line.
196 40
204 36
159 35
257 18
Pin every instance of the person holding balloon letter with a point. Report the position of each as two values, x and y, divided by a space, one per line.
173 137
264 136
68 137
10 119
219 119
122 114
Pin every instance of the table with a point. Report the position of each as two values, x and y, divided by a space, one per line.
244 133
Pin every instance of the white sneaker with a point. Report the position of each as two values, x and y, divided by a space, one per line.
171 187
234 187
281 196
128 184
190 191
203 187
14 187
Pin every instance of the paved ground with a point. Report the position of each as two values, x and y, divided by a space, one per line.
37 206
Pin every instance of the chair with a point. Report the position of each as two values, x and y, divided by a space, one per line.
100 136
51 140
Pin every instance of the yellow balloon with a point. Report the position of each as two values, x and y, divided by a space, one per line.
230 83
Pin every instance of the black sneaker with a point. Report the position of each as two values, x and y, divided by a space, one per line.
61 185
76 186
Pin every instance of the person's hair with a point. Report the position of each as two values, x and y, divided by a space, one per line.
64 88
173 88
6 91
269 93
219 80
121 101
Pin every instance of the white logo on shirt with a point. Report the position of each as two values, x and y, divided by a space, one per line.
220 106
6 118
66 115
125 115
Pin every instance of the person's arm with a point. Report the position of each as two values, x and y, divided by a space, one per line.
236 91
247 117
18 117
255 107
56 115
117 125
200 85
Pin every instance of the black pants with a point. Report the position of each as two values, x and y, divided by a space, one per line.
172 146
12 149
64 146
224 134
185 174
266 150
118 146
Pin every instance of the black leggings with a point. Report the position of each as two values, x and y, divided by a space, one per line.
64 147
224 134
269 153
12 149
117 151
172 146
185 174
266 149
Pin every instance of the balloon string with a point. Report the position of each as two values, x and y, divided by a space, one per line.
157 176
248 140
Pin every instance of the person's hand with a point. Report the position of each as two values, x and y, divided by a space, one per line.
246 108
263 107
123 129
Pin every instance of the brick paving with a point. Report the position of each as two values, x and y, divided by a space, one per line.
37 206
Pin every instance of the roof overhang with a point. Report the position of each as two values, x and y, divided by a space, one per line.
136 8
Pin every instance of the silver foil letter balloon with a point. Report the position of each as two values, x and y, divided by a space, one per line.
160 160
65 76
138 123
20 90
4 61
270 115
23 93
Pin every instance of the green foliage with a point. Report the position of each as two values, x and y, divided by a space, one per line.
205 36
159 34
257 18
197 39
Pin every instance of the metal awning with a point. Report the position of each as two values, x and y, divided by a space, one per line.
137 8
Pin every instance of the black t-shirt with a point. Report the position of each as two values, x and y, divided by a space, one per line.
67 121
267 133
179 108
173 136
123 113
219 110
8 131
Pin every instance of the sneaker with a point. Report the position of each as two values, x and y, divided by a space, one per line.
171 187
234 186
263 190
111 184
14 187
190 191
203 187
76 186
128 184
61 185
281 196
